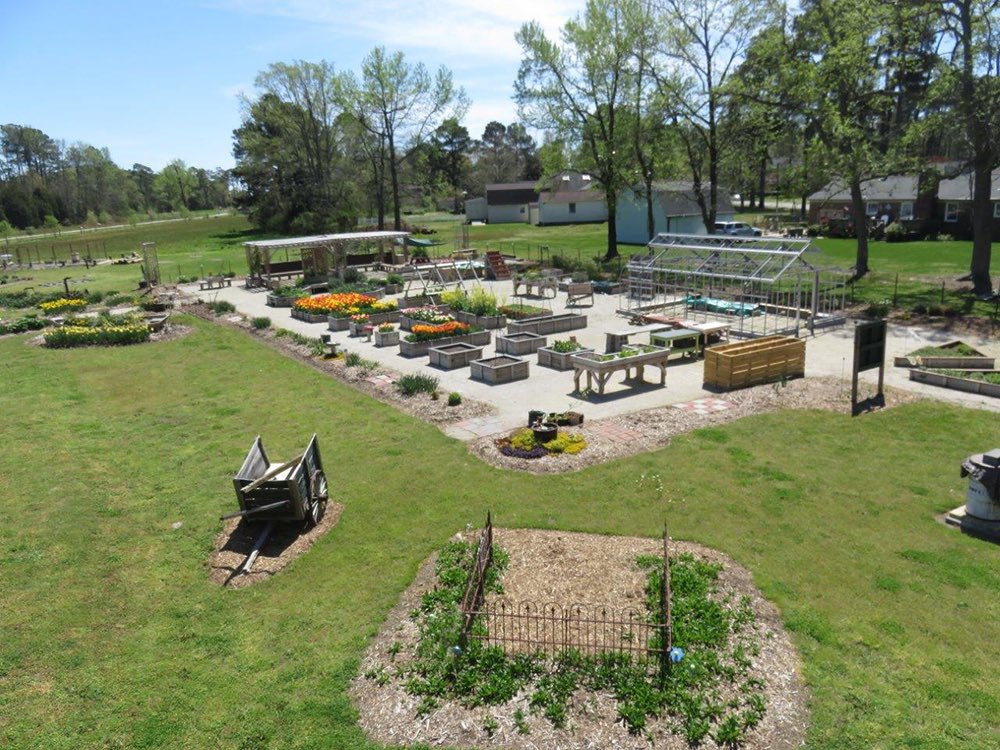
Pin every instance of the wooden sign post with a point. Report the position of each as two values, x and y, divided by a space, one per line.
869 353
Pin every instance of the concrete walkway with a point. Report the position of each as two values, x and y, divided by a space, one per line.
828 354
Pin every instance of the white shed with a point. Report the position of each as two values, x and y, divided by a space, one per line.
675 211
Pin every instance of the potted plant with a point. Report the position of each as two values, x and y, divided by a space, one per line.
357 324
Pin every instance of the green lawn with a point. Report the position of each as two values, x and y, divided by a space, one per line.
114 638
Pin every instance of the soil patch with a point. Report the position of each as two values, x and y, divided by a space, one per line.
286 542
567 567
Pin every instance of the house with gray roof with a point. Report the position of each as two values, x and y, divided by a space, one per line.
572 198
954 205
675 211
906 198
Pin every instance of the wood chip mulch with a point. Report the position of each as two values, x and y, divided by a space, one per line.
628 434
566 568
286 542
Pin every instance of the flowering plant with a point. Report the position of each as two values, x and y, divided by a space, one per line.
62 304
428 315
343 304
422 332
386 327
359 318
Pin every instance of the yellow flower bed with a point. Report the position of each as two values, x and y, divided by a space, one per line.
62 304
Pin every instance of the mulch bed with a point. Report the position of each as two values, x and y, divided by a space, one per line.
287 541
565 567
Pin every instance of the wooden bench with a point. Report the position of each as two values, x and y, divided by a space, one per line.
215 282
579 291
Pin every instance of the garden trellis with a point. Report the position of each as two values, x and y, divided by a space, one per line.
762 285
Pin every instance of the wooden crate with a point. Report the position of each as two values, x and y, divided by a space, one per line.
747 363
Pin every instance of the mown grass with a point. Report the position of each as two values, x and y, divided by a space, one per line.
113 636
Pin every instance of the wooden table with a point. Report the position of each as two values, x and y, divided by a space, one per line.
680 342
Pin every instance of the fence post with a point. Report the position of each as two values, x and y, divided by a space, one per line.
666 636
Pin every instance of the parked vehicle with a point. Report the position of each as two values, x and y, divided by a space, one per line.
737 228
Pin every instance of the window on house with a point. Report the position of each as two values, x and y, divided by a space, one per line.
871 209
906 211
951 212
996 210
522 209
572 208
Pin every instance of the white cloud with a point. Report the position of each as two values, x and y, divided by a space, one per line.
482 30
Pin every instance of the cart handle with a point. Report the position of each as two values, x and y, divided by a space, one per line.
251 511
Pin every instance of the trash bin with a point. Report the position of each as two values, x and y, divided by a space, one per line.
982 499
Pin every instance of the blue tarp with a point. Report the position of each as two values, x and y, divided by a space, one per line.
742 309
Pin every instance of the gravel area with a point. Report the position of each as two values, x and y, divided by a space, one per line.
569 567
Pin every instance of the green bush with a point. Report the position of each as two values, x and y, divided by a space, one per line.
97 335
878 309
565 346
116 300
410 385
260 323
221 306
895 232
30 323
454 398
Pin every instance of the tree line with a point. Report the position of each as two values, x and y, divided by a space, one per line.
46 184
718 93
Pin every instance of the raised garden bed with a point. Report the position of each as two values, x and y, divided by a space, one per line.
491 322
406 323
309 317
547 324
955 355
520 312
602 366
279 300
386 338
745 363
958 382
420 348
519 344
452 356
497 370
338 324
548 357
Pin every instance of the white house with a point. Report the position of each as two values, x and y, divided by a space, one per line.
572 198
510 202
675 210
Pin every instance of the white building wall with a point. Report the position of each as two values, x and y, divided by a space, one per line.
631 220
475 209
507 214
558 213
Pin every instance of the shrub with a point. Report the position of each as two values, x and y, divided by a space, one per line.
895 232
114 300
410 385
394 278
454 398
260 323
100 335
30 323
221 306
566 442
878 309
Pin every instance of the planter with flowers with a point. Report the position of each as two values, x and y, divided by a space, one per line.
386 335
429 314
424 336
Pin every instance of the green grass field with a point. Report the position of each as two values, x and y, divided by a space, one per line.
113 636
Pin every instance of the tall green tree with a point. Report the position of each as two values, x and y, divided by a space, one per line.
971 29
400 104
582 88
449 156
703 42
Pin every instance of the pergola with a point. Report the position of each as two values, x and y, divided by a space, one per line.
760 285
322 254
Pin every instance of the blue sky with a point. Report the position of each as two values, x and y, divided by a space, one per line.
156 81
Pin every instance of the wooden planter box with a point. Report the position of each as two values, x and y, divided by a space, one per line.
747 363
309 317
491 322
519 316
357 329
277 300
519 344
338 324
496 370
956 383
420 348
452 356
558 360
386 338
547 324
393 288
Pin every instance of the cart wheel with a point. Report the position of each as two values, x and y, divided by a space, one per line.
317 486
317 511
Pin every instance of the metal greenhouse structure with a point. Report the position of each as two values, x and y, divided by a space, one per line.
760 285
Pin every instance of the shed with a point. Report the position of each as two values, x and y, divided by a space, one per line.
675 210
761 285
509 202
475 209
320 255
572 198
